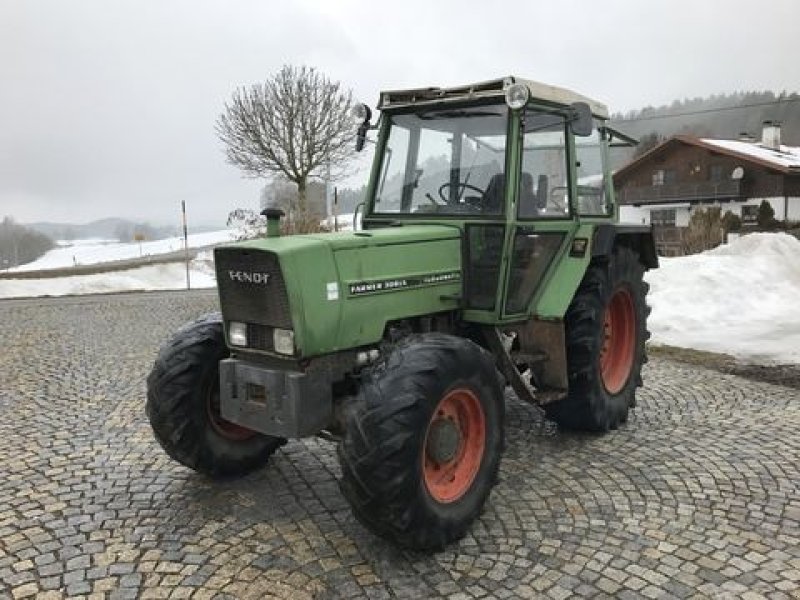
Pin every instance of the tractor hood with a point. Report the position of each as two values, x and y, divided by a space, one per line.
337 291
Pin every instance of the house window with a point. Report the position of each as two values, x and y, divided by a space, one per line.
664 176
664 217
658 177
715 173
750 213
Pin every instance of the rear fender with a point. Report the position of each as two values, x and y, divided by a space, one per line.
636 237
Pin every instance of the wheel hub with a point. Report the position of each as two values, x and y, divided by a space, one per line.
454 445
444 439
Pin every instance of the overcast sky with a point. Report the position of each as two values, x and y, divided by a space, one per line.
107 107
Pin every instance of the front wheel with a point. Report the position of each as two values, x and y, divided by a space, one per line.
423 441
183 406
606 330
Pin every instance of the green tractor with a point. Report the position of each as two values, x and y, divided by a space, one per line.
490 255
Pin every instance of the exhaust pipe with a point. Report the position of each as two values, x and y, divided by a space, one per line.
273 221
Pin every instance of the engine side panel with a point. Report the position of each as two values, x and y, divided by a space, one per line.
340 290
385 283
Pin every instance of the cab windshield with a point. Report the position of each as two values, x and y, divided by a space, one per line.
445 161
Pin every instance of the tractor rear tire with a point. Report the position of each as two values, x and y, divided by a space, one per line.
606 330
423 441
183 406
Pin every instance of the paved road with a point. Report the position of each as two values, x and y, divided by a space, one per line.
698 495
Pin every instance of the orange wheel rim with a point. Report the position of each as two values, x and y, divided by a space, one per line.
619 341
454 444
226 429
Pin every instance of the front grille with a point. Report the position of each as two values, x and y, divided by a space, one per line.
249 302
260 337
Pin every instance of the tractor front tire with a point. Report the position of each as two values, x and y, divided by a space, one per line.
183 406
423 441
606 330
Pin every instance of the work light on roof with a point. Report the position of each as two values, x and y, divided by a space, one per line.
517 95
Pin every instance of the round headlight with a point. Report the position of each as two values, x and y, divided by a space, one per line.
517 95
361 113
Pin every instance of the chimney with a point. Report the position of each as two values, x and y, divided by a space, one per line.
771 135
745 136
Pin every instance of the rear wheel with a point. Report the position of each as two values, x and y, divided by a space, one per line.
605 335
423 441
183 406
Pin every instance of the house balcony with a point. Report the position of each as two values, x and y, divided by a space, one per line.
681 192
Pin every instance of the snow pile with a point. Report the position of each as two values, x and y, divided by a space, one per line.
88 252
739 299
168 276
760 244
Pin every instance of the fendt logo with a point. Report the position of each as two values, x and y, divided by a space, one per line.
249 277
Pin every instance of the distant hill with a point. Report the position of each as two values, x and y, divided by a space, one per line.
110 229
723 116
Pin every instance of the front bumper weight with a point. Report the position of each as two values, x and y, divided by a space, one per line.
279 403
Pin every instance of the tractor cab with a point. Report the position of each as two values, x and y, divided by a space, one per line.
516 165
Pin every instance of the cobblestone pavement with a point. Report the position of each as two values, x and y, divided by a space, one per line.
696 496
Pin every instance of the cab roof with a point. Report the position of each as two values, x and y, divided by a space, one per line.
487 89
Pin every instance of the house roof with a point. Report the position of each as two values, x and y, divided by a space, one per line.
787 160
788 157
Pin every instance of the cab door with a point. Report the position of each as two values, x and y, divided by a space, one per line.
562 191
543 223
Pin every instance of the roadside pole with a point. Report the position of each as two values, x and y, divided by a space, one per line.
185 243
336 209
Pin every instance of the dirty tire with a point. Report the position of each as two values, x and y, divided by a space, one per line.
389 477
603 381
184 379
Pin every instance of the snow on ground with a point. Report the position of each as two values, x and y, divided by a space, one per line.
344 222
88 252
739 299
168 276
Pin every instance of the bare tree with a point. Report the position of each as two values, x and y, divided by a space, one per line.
705 231
296 124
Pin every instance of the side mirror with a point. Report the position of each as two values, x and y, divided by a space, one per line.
362 114
361 136
580 119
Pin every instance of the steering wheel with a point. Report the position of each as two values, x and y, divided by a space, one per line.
461 186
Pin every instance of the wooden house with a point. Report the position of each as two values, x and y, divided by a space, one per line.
664 185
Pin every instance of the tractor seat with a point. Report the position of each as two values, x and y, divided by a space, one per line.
494 196
527 197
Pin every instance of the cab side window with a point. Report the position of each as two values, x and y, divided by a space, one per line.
590 173
543 186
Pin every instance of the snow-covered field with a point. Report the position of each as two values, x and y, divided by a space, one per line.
344 222
88 252
740 299
169 276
